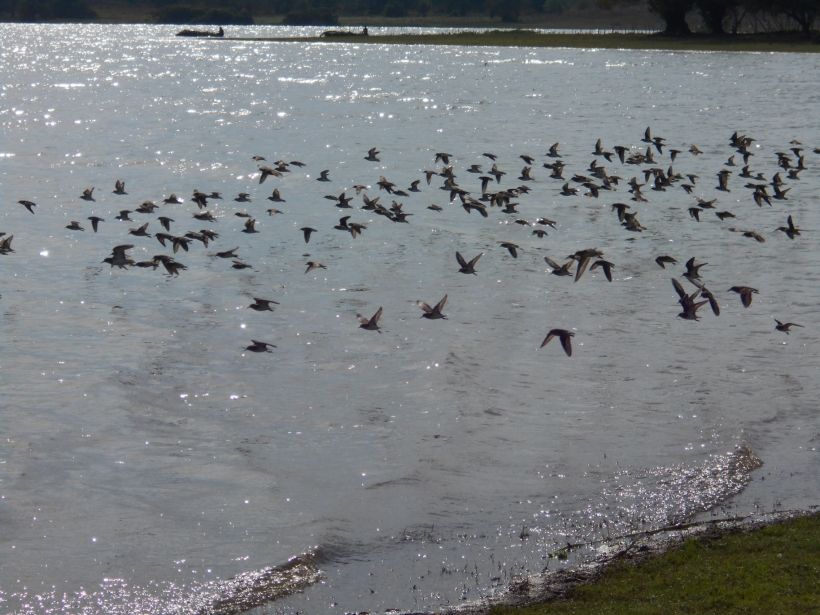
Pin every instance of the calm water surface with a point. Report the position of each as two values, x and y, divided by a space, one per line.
143 452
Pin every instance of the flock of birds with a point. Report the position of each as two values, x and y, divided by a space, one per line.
597 182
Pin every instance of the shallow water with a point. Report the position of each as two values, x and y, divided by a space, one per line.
144 452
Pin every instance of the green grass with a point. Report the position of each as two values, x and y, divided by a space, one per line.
781 42
774 570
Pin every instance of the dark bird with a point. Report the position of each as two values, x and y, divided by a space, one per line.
435 208
694 149
147 207
583 257
311 265
75 226
433 313
95 220
687 302
692 270
119 258
371 324
414 186
541 233
275 197
790 230
621 209
372 155
323 176
296 163
565 337
266 171
140 232
165 222
123 215
606 266
724 214
243 197
745 293
511 247
465 266
262 305
28 205
206 216
781 326
258 159
694 212
528 159
172 266
662 260
307 231
250 226
557 269
546 222
489 155
751 234
240 265
553 153
228 253
173 199
119 187
273 212
443 157
259 346
86 195
723 181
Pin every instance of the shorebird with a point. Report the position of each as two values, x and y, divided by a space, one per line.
119 187
75 226
240 265
606 266
511 247
372 155
165 222
371 324
262 305
414 186
751 234
28 205
692 270
694 149
257 346
306 230
433 313
489 155
5 244
147 207
95 220
250 226
434 207
123 215
275 197
687 302
708 295
173 199
140 232
476 168
311 265
662 260
258 159
790 230
553 153
565 337
443 157
119 258
557 269
323 176
266 171
465 266
583 257
87 194
781 326
243 197
205 216
724 214
228 253
745 293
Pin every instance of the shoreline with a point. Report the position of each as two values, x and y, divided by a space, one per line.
634 549
759 43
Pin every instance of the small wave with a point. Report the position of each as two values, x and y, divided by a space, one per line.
235 595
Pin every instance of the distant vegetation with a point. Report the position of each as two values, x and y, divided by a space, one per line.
717 17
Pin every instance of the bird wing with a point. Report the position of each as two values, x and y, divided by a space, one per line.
375 320
440 305
566 342
582 267
679 289
549 337
427 309
475 260
461 260
552 263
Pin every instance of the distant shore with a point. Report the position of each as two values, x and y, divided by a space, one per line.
780 42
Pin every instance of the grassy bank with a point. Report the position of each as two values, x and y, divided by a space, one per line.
774 570
782 42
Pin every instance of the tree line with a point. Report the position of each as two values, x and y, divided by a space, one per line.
719 17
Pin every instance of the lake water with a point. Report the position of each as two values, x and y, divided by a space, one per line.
146 457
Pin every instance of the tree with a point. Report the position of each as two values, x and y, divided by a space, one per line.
714 13
804 12
673 12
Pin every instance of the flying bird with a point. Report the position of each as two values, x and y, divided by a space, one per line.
565 337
